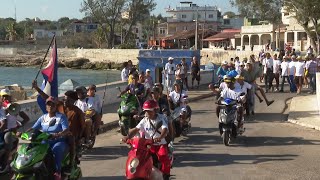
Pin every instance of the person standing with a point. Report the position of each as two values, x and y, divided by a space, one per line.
298 74
268 71
291 69
125 72
185 68
311 70
285 72
195 71
276 71
170 73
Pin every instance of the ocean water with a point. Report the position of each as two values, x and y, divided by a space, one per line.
25 75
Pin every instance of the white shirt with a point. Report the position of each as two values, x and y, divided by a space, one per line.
174 96
284 67
276 66
267 63
85 104
244 88
237 65
97 104
231 94
299 68
170 68
223 86
291 68
146 128
124 74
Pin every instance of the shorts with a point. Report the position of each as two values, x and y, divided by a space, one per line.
195 76
298 80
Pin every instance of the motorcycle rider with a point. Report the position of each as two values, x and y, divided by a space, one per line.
58 142
135 88
9 122
147 126
222 71
86 105
75 118
92 89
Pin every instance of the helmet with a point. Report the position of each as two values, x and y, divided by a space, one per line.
81 89
229 80
150 105
232 74
5 92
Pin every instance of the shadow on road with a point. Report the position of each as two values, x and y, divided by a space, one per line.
266 117
202 160
105 178
105 153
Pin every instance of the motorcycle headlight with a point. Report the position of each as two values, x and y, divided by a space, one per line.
134 163
124 108
23 159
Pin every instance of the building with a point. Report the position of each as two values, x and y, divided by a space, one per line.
42 30
82 27
227 39
232 23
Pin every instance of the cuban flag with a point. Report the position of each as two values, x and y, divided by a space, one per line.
50 78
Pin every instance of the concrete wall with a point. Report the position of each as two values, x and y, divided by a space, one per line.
217 56
32 109
318 90
8 51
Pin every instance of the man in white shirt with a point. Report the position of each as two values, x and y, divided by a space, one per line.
237 63
285 72
245 88
291 69
299 73
169 71
276 71
147 126
97 105
125 72
268 71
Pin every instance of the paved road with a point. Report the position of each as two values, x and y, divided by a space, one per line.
271 148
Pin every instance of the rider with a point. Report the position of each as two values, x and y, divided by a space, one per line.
9 122
135 88
222 70
96 105
146 126
86 105
58 131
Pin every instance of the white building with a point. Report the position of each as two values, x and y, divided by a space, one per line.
42 33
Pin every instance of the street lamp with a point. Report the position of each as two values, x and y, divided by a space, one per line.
196 32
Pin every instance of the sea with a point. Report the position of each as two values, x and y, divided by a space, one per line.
24 76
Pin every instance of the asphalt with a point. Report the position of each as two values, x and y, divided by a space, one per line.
271 148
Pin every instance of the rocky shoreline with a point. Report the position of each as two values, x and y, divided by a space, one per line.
76 63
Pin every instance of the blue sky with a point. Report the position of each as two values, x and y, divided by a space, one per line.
54 9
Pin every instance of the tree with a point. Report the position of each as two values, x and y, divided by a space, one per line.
307 15
263 10
230 14
11 32
64 22
106 13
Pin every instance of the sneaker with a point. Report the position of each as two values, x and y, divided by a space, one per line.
260 100
276 90
270 102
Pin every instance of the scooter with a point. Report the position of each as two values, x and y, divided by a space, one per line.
129 106
228 124
182 115
141 164
35 160
93 133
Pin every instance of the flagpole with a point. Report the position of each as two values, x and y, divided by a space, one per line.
45 56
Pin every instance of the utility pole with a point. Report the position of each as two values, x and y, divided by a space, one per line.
196 34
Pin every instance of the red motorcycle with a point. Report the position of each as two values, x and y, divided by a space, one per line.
140 162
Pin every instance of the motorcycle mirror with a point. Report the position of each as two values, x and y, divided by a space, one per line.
52 123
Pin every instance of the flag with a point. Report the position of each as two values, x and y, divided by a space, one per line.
50 78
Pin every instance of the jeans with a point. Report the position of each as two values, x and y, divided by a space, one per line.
268 80
59 148
293 87
284 78
275 76
312 78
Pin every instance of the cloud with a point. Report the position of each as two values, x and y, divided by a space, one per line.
44 9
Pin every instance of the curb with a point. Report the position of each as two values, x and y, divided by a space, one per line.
304 125
114 124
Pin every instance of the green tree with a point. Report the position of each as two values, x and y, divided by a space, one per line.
11 32
307 15
64 22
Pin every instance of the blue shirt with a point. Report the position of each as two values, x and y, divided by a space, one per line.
221 72
44 121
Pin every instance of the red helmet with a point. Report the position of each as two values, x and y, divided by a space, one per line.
150 105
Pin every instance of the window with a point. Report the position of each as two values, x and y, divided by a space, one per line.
137 30
211 16
162 31
183 16
199 16
226 21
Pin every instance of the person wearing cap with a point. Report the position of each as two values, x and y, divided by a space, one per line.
285 72
291 71
299 73
195 71
267 71
222 70
311 70
147 127
185 70
59 130
169 72
135 88
75 117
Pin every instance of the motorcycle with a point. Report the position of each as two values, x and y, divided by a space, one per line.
129 106
181 117
228 124
93 134
35 160
141 163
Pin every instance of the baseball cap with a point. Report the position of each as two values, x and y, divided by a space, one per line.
224 63
293 56
170 58
239 77
5 92
148 70
51 99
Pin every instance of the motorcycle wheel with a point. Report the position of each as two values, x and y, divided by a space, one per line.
226 138
91 142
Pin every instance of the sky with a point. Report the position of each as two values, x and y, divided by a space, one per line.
54 9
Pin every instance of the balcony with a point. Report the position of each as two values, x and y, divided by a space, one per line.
257 29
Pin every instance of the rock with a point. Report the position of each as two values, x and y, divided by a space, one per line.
77 63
